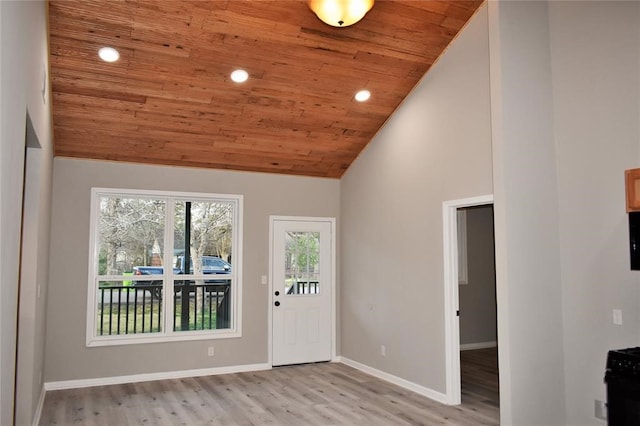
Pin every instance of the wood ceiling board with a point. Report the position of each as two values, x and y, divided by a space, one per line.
170 92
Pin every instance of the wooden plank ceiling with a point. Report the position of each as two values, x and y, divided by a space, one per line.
169 99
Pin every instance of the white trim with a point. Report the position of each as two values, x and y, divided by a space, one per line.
451 302
421 390
40 404
334 238
137 378
479 345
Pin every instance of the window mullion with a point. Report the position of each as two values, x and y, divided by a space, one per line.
168 269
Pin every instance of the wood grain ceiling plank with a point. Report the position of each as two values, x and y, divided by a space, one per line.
407 15
104 147
454 23
106 117
165 107
90 31
385 45
462 9
68 53
388 65
95 144
77 77
176 123
102 94
85 97
109 13
168 17
106 81
266 160
169 141
72 122
169 99
224 147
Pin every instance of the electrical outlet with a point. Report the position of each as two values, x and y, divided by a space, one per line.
601 410
210 351
383 350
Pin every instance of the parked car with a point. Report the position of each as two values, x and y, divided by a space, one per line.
211 265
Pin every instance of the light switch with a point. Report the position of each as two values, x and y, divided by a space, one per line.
264 279
617 316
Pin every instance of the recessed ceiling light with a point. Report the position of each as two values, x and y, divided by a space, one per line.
239 76
108 54
363 96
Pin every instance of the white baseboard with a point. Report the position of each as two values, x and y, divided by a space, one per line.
424 391
479 345
136 378
38 413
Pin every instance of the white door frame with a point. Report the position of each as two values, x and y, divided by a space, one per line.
451 299
332 221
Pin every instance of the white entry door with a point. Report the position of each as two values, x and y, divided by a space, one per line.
302 290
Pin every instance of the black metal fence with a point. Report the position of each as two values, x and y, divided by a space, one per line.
303 287
137 308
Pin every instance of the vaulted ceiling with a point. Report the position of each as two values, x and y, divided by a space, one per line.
169 98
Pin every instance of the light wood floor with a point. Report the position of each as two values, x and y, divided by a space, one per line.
313 394
479 379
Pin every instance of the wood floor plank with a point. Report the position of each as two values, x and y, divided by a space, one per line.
313 394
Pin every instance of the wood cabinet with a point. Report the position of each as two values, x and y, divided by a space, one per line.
632 178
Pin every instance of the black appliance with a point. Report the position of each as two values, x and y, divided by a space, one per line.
634 240
623 387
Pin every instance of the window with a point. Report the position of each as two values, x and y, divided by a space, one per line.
133 297
302 257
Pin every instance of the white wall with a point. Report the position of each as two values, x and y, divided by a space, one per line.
526 216
264 194
436 147
596 80
23 59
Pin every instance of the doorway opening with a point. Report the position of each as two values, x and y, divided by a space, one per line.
26 371
470 308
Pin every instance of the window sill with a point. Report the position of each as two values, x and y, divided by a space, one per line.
132 339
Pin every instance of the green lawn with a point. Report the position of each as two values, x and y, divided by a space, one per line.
147 318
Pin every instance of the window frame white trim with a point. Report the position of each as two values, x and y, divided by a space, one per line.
167 335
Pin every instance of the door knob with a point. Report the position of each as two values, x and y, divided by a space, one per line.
277 293
277 303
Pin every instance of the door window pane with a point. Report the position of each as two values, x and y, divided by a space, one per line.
302 261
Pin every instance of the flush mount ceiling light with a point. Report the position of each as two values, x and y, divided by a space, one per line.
363 96
108 54
239 76
340 13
